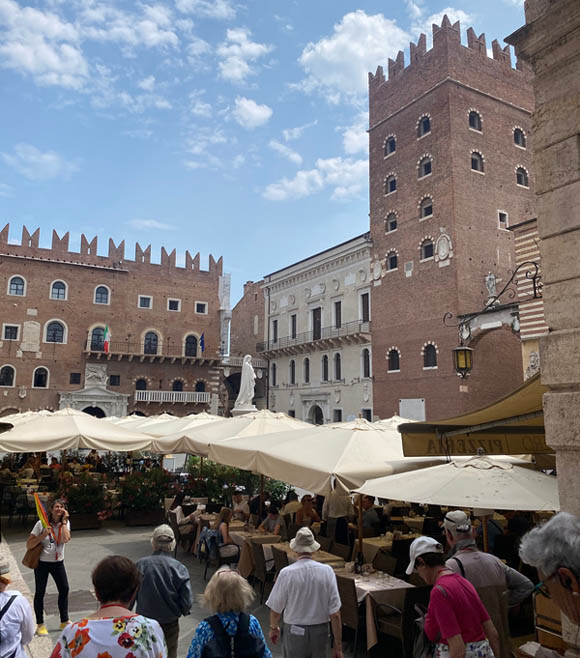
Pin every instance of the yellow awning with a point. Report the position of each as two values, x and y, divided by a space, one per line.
513 425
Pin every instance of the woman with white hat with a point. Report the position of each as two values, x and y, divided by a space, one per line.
456 619
16 620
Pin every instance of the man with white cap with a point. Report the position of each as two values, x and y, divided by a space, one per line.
456 618
16 620
165 591
307 593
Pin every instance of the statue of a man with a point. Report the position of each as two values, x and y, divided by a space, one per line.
246 394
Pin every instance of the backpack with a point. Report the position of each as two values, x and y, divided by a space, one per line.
240 645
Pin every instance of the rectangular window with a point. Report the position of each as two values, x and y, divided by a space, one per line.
75 378
274 331
201 308
145 301
11 331
337 315
114 380
316 323
256 325
174 304
293 326
367 414
337 416
365 307
292 413
502 219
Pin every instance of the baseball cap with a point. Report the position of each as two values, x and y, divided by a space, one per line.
419 547
457 520
164 534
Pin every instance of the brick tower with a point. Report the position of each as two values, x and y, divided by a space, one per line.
450 169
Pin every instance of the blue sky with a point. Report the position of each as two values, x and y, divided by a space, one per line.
231 128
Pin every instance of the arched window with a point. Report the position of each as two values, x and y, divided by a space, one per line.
337 367
141 385
424 126
520 138
425 166
475 120
55 332
393 360
391 222
427 249
16 286
150 343
58 290
325 368
273 374
191 345
392 260
430 356
476 161
390 145
40 378
101 295
177 385
391 184
366 363
200 387
522 177
98 339
7 376
306 370
426 207
292 374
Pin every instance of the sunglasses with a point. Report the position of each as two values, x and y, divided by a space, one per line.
542 588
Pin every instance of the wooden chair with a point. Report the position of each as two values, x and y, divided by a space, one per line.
280 560
212 553
400 552
350 609
325 543
292 530
213 508
261 573
183 533
341 550
400 624
384 561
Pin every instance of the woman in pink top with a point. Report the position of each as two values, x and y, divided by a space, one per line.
456 618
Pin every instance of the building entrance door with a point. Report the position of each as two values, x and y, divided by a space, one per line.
316 417
95 411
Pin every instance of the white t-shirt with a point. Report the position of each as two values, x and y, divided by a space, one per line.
307 593
242 508
17 626
50 549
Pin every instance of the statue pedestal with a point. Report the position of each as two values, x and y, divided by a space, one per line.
240 411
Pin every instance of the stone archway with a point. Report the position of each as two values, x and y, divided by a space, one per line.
97 412
315 415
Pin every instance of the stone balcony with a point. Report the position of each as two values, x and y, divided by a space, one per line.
144 352
183 397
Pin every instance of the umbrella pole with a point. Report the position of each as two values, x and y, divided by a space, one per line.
485 535
201 467
359 556
261 494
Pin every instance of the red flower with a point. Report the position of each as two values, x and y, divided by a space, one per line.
56 651
105 654
125 640
78 643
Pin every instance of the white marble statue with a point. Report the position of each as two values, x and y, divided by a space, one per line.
246 394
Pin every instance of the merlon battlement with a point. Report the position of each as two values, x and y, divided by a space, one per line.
88 255
444 35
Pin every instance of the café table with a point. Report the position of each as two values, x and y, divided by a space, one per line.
324 557
242 539
414 523
376 588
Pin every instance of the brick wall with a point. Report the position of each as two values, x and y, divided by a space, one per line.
248 320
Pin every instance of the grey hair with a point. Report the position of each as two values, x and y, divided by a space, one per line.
553 544
158 544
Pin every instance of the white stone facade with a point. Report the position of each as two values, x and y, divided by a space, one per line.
319 309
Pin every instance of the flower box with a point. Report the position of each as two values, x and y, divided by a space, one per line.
135 517
85 521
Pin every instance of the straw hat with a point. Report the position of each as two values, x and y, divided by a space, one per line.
304 542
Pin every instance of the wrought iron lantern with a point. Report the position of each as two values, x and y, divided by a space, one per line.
462 360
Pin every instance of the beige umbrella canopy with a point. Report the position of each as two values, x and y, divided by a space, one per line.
479 482
70 430
168 427
311 457
25 416
196 439
135 422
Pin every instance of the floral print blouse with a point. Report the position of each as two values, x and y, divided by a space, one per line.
133 636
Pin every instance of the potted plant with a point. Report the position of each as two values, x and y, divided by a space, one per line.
85 499
142 495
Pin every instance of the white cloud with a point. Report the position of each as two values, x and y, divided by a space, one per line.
238 52
238 161
220 9
250 114
147 84
338 65
150 225
201 109
291 134
37 165
195 49
354 137
347 177
5 190
415 8
286 152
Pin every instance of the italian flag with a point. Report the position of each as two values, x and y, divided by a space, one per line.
106 339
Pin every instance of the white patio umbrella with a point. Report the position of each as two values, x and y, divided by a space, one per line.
70 430
135 422
197 439
310 457
25 416
167 427
479 482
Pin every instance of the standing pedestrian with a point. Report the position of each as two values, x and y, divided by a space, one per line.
307 593
165 591
51 563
